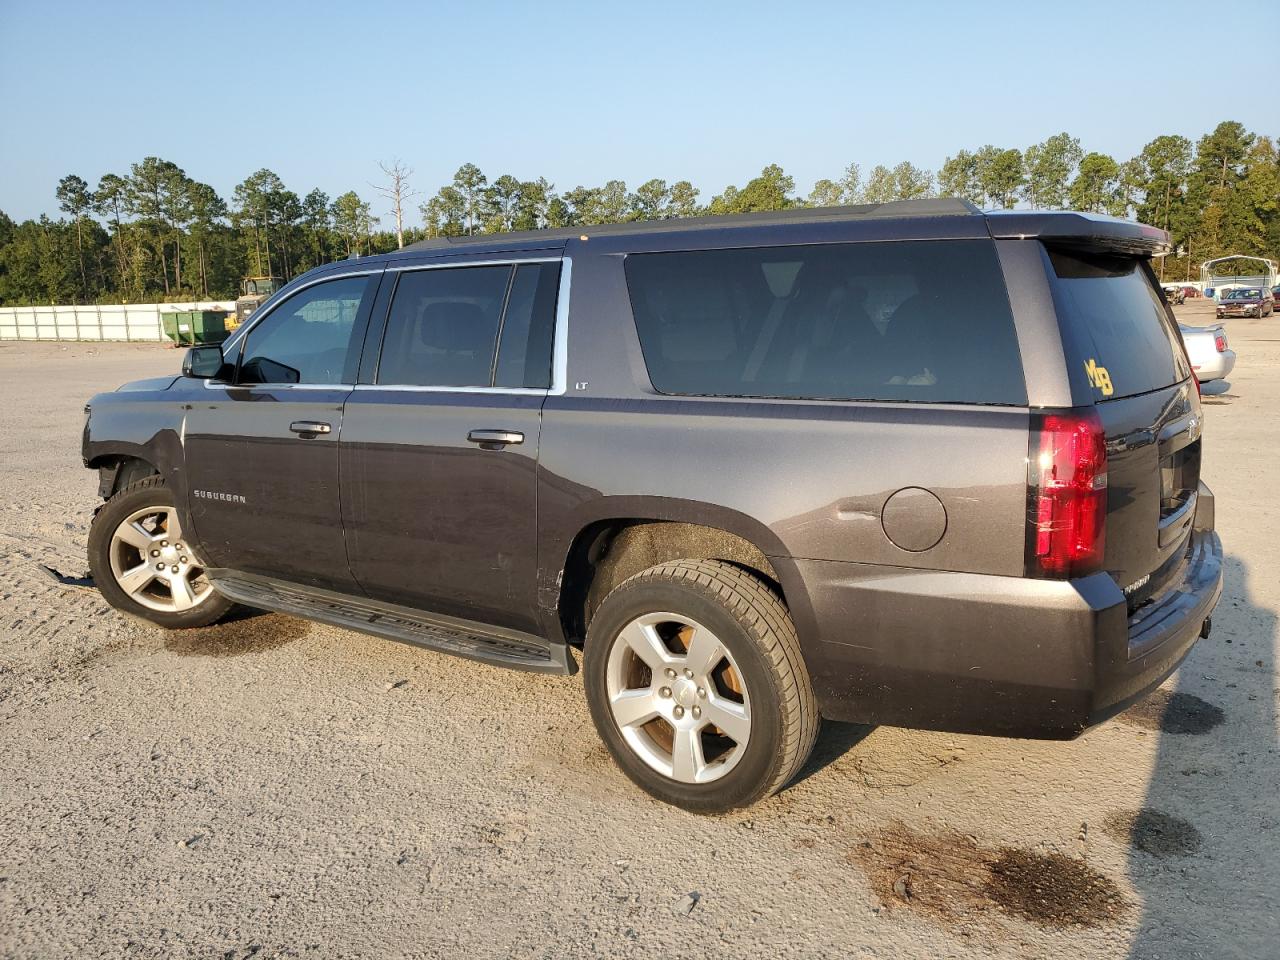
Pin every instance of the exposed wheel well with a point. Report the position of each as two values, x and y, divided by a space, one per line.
115 472
608 552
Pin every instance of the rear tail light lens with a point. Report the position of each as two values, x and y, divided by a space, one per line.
1220 341
1067 495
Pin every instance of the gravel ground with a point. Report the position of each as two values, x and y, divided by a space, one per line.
276 788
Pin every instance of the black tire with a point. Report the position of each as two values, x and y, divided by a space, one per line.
753 624
149 492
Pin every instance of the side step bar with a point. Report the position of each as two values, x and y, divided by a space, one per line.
463 638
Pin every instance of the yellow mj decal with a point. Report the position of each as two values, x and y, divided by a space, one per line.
1099 377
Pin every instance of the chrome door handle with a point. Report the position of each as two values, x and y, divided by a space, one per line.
309 427
495 439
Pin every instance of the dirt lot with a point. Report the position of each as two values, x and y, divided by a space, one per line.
275 788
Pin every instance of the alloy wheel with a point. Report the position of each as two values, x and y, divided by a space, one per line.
678 697
154 565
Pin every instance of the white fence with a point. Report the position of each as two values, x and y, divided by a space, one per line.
130 321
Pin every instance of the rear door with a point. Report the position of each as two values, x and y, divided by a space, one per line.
262 452
440 440
1124 351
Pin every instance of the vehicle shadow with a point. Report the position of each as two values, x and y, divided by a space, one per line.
1216 393
1204 849
835 739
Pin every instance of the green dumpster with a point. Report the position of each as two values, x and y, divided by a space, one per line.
195 326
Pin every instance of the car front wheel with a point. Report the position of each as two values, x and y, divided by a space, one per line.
697 685
143 563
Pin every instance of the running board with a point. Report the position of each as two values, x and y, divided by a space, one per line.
463 638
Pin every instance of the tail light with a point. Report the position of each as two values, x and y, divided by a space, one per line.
1067 495
1220 341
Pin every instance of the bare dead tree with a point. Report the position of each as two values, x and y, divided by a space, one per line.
397 190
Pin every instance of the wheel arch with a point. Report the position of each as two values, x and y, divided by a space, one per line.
119 468
612 546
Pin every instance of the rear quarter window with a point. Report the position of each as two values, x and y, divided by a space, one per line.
924 321
1119 339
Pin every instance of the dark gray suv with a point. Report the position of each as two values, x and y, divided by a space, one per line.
903 464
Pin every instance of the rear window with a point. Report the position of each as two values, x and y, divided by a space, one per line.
911 321
1115 325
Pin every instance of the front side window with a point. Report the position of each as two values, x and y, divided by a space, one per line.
306 339
481 326
921 321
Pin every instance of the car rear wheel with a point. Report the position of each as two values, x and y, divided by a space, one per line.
143 564
697 685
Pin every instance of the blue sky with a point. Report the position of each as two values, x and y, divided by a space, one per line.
582 92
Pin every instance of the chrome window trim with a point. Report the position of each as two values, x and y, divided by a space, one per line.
222 385
559 348
559 344
402 268
413 388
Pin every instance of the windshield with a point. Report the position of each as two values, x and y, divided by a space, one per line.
1244 295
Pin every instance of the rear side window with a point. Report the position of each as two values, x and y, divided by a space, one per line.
445 325
1119 338
913 321
524 351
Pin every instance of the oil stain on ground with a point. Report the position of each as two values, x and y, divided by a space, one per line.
234 638
1170 712
956 880
1158 834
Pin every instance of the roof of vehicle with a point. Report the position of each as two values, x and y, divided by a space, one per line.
941 207
1057 226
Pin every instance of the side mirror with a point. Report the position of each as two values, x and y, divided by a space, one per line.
203 363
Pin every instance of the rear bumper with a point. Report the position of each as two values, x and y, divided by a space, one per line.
1008 656
1216 367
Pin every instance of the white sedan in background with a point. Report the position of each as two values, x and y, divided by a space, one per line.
1211 359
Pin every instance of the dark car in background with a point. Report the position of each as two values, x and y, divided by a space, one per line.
905 464
1246 302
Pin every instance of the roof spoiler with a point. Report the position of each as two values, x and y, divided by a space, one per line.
1088 231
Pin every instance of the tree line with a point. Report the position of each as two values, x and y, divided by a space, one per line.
157 234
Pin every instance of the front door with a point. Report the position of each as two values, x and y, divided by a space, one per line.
262 451
439 449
